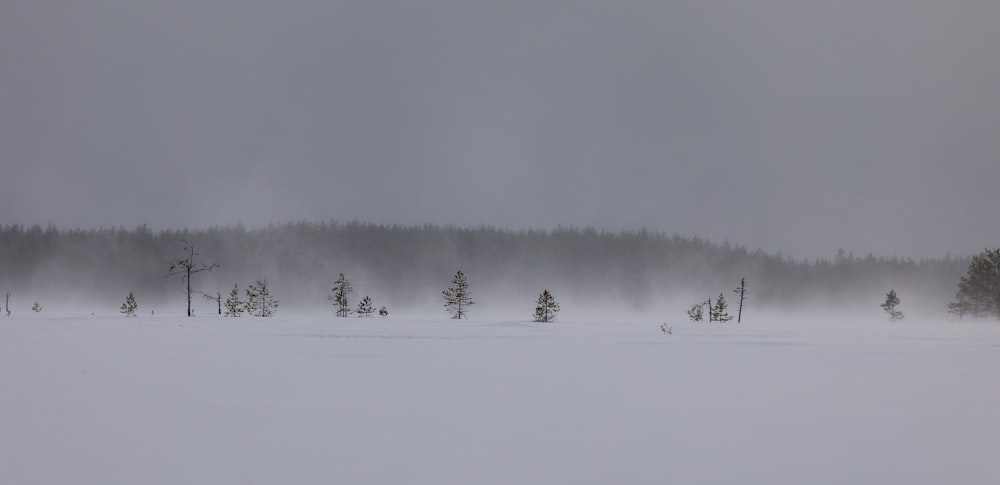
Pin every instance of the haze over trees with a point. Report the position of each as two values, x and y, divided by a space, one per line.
405 264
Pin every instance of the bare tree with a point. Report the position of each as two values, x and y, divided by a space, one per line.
187 266
217 298
697 311
7 304
742 291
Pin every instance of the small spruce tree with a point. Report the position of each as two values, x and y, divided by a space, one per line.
130 306
546 307
457 298
365 307
234 306
890 304
339 296
37 308
718 312
383 311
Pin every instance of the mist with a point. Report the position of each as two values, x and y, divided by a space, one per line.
608 276
800 127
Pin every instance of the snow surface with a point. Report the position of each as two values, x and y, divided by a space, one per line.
207 400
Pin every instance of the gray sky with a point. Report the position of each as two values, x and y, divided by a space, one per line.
872 125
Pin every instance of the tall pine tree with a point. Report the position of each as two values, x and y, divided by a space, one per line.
339 296
457 298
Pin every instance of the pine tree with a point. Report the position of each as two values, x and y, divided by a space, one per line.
384 312
457 298
890 304
259 301
234 306
979 289
130 306
37 308
718 312
365 307
546 307
341 288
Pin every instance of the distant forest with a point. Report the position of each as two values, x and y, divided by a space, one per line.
406 267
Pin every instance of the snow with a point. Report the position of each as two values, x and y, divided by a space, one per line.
317 399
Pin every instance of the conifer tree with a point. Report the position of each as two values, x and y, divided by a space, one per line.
130 306
339 296
234 306
384 312
365 307
546 307
259 301
979 289
718 312
457 298
890 304
37 308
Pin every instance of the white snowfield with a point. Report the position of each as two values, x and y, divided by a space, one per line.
402 400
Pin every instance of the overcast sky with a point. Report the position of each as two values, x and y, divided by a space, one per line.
805 126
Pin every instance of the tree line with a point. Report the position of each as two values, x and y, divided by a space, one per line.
632 268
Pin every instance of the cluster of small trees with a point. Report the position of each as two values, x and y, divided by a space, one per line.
978 295
719 311
340 296
258 301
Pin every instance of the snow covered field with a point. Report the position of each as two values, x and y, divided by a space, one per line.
206 400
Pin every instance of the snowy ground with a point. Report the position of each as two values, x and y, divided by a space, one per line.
166 400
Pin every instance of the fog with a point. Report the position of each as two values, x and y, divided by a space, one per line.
796 126
593 274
